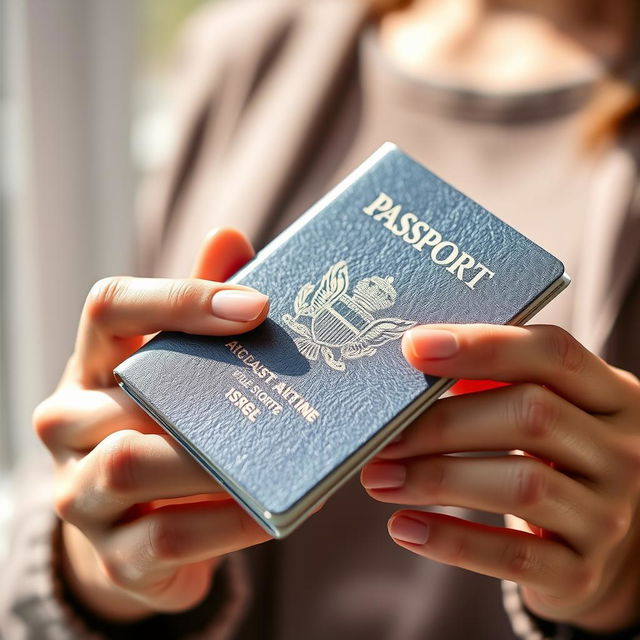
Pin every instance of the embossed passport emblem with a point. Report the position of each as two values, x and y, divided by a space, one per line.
342 321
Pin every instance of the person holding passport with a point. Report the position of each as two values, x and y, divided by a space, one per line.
531 108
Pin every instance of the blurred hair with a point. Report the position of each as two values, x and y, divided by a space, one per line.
615 103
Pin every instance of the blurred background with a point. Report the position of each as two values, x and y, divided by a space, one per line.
84 113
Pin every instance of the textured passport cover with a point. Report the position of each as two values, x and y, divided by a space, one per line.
281 415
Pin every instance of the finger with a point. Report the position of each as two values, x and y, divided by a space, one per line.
514 484
128 468
223 251
523 416
74 420
542 564
543 354
119 311
142 554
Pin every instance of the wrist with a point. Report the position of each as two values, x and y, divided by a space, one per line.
83 576
613 614
609 622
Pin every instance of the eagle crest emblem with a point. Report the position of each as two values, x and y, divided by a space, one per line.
339 325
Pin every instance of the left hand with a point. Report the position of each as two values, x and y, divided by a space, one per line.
573 541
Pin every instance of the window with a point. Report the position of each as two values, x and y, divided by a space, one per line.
81 116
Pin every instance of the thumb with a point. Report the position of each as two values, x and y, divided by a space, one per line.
223 251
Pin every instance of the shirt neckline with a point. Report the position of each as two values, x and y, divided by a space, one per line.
467 102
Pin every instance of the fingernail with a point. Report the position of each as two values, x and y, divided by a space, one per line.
383 475
408 530
234 304
432 344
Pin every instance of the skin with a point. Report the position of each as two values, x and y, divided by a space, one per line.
571 502
573 535
505 45
144 527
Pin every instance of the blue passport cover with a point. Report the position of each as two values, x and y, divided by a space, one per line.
282 415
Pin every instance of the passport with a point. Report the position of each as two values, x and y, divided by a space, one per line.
283 415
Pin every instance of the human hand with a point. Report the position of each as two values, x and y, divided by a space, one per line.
144 527
573 540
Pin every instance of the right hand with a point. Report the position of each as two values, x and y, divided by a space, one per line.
143 525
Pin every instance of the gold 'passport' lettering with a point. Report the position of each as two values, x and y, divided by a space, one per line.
421 235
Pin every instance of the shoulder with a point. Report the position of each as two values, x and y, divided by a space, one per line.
240 29
236 20
231 28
